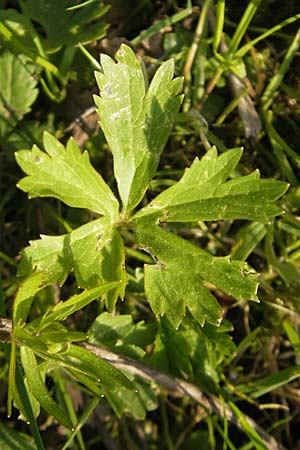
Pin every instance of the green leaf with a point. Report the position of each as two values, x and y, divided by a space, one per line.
248 238
292 335
98 254
16 34
57 333
25 337
177 280
22 397
11 439
25 296
66 174
64 309
174 349
270 382
66 25
95 251
252 434
79 375
102 372
192 351
107 329
136 122
25 401
17 90
120 334
50 254
204 194
135 403
38 388
61 24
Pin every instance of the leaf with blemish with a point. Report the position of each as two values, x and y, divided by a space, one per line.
66 174
136 122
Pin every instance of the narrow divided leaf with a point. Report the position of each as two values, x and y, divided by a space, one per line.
38 388
136 122
253 435
66 174
64 309
101 371
25 296
11 439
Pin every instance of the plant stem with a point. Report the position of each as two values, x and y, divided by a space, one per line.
197 37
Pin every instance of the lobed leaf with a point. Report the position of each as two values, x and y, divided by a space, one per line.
177 280
204 194
50 254
95 251
66 25
136 122
61 22
66 174
98 254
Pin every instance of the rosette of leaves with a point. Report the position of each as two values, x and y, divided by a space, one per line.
136 122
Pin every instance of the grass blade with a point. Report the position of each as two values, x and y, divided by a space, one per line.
276 80
243 25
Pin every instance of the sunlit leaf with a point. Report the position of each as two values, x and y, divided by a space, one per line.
177 280
64 309
66 174
204 194
95 251
136 122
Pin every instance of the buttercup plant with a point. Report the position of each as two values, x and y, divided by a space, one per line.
136 121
